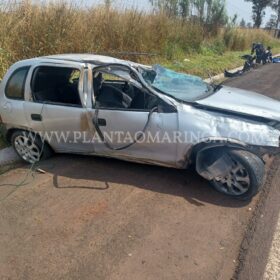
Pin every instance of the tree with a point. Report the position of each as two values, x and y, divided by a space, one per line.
108 3
258 11
184 6
234 20
173 7
209 9
275 5
272 23
170 7
214 9
249 25
200 7
217 16
242 23
209 12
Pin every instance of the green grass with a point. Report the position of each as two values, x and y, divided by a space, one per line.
209 63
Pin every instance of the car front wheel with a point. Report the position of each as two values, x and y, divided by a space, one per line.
245 177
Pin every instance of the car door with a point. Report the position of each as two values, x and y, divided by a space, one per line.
122 126
56 106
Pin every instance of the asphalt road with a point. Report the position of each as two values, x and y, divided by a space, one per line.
264 80
255 249
95 218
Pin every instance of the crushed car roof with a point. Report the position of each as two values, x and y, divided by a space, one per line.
86 58
78 58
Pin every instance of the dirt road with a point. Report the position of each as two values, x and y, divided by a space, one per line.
94 218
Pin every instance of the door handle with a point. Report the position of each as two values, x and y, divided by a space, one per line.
36 117
7 107
101 122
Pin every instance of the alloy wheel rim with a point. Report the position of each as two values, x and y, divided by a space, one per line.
27 149
237 182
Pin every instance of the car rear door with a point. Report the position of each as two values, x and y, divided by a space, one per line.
62 123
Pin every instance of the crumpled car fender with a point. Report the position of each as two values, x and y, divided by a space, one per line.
202 125
210 127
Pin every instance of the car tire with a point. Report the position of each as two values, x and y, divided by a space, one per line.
29 147
245 178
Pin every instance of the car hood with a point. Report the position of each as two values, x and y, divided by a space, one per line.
243 102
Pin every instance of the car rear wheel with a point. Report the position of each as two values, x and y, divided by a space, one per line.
245 177
30 147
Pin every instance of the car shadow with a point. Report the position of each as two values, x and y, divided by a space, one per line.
104 171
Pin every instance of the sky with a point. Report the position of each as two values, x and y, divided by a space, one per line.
240 7
244 10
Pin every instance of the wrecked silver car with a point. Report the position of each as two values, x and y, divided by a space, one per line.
97 105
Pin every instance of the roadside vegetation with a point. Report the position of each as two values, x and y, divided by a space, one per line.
170 34
29 30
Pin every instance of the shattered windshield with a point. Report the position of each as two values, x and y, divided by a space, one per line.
181 86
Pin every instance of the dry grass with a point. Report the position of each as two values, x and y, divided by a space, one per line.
239 39
29 30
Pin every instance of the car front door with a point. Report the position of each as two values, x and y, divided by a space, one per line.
128 119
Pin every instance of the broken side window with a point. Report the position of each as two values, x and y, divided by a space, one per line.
56 85
118 88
